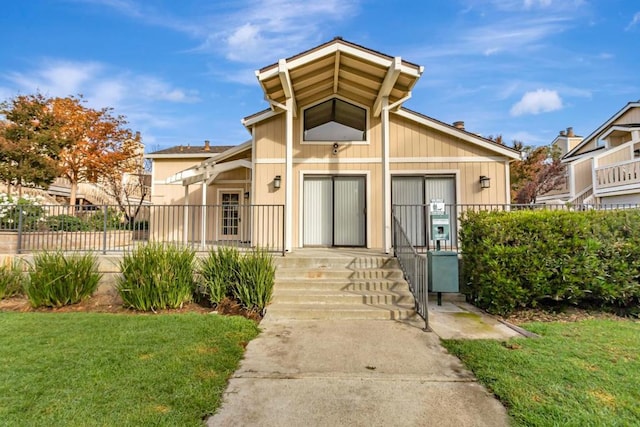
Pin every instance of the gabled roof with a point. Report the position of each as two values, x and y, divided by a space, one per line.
342 68
458 133
189 151
602 128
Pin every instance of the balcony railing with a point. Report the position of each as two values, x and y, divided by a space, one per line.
620 174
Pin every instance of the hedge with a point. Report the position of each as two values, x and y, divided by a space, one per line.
528 258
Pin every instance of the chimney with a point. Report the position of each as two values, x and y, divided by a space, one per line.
459 125
570 133
181 148
207 145
138 136
563 133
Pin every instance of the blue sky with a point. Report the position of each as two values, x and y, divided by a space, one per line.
183 71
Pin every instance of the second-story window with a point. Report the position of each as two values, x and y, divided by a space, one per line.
335 120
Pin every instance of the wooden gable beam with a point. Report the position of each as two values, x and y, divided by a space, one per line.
285 79
336 72
387 84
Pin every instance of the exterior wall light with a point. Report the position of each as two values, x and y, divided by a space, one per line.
277 181
246 195
335 149
485 182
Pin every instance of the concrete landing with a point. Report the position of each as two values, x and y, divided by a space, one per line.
353 373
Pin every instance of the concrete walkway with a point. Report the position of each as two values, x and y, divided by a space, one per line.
361 373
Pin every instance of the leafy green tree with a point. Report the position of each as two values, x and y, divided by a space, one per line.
29 142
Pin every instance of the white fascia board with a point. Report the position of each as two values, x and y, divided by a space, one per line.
333 48
603 127
180 155
579 157
461 135
617 127
260 117
232 151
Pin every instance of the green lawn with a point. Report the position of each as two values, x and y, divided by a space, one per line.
83 369
578 374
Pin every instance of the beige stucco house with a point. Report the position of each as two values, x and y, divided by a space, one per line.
604 167
334 150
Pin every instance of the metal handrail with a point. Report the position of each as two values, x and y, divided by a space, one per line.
414 268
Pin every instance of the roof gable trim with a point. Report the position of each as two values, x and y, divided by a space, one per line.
465 136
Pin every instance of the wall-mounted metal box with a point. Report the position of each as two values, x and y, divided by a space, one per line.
443 271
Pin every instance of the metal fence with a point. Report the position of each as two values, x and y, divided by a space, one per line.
415 219
412 238
109 228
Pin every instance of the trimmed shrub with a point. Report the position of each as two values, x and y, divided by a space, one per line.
11 280
256 277
157 277
528 258
66 223
57 279
218 274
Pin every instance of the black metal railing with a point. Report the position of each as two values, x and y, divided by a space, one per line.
415 219
414 267
109 228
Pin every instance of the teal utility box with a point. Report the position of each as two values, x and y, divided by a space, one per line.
442 270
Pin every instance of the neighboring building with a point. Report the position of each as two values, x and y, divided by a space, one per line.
604 168
566 141
336 149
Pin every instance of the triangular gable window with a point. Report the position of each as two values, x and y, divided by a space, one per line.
335 120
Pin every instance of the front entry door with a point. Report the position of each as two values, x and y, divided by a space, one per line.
229 216
334 211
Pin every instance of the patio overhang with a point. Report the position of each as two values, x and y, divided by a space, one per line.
206 172
338 68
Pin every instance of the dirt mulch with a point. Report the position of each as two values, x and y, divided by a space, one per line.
567 314
110 303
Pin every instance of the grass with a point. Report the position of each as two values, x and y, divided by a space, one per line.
578 374
90 369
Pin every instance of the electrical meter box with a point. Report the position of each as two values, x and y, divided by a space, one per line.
439 221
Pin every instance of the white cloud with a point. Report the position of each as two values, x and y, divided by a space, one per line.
634 21
528 4
536 102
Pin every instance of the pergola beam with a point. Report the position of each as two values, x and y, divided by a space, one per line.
393 72
287 87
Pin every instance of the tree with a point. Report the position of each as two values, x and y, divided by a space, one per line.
539 172
29 142
130 189
102 147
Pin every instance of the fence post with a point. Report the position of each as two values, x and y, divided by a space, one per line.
104 231
284 227
19 243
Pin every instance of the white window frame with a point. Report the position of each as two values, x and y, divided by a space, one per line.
341 98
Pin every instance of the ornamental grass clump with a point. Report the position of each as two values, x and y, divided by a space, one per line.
256 277
157 277
11 280
56 279
218 274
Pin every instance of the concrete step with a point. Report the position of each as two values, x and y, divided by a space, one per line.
340 285
337 273
348 297
358 262
341 311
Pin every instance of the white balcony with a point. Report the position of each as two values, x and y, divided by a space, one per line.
621 176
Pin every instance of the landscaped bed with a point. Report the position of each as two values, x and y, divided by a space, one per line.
116 369
582 373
